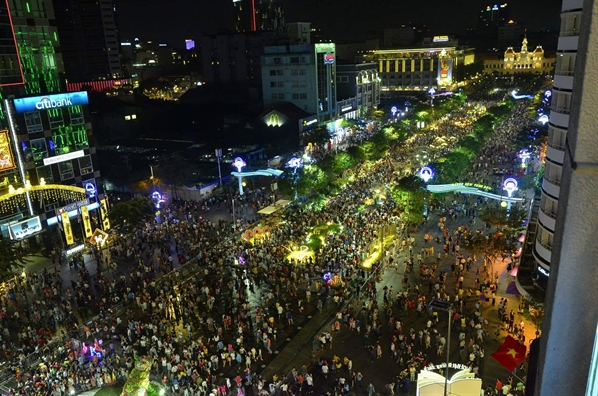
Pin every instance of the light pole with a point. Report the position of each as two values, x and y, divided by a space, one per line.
394 111
443 305
426 173
218 156
432 91
295 163
510 185
239 164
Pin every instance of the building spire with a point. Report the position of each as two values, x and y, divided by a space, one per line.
524 43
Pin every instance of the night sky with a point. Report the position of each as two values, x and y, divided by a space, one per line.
172 21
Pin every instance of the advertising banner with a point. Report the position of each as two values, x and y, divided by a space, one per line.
86 222
104 213
7 161
26 228
66 226
34 103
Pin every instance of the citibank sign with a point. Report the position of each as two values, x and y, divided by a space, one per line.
25 105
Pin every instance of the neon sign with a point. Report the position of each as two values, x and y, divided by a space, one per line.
90 189
510 185
426 173
25 105
239 163
517 96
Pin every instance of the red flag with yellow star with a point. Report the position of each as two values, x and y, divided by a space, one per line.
510 354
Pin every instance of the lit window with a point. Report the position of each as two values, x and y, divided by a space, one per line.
127 117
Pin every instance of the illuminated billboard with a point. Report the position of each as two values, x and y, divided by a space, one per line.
328 59
189 44
23 229
48 102
11 72
7 161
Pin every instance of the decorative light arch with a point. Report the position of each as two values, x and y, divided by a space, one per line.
50 192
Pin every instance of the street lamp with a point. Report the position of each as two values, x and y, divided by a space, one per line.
295 163
443 305
239 164
432 91
426 173
510 185
394 111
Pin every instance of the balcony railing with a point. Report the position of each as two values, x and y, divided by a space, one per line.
553 181
561 110
563 73
546 245
556 146
548 213
569 33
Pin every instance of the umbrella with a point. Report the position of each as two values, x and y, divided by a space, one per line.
512 289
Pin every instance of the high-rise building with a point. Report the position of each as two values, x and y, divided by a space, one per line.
48 166
557 138
494 16
304 75
568 354
254 15
235 59
89 39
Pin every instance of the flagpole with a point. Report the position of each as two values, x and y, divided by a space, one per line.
519 378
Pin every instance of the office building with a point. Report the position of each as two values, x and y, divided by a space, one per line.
254 15
88 39
510 33
520 62
304 75
399 37
493 16
361 82
44 138
235 59
299 32
420 68
568 353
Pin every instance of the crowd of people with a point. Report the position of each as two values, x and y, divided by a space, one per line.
171 290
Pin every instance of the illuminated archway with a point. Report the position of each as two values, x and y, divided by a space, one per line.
51 193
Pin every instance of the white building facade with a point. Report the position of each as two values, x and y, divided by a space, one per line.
557 133
304 75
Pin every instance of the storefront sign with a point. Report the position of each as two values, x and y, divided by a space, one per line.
86 221
73 206
328 59
64 157
90 190
346 108
440 39
543 271
25 228
34 103
441 366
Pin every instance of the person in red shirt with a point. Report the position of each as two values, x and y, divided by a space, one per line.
498 386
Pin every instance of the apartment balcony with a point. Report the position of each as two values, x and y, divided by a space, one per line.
563 82
568 43
551 186
547 218
559 119
570 5
555 152
543 251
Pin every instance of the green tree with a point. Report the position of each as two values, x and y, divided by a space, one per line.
501 217
174 171
409 194
313 179
319 136
467 72
12 256
341 162
493 245
357 153
128 216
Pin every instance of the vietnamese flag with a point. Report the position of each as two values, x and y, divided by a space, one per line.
510 354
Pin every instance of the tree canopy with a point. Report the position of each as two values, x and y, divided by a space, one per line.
128 216
12 255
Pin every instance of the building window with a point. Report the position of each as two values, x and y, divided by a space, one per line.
127 118
342 79
295 59
276 72
33 122
280 84
55 117
278 96
45 172
302 96
277 61
39 150
76 115
302 72
66 170
272 84
85 165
